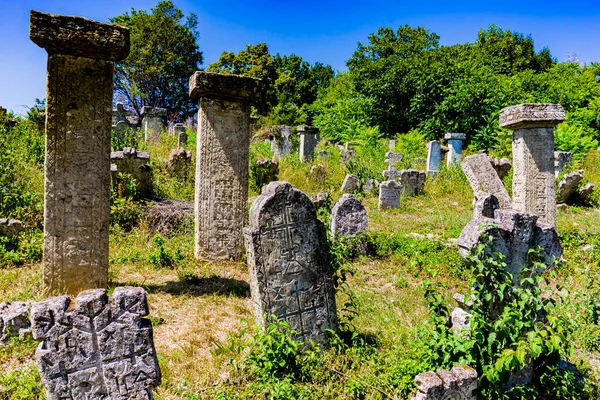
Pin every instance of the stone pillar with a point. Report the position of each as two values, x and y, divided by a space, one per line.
222 153
179 131
434 157
309 138
454 147
152 122
533 157
79 91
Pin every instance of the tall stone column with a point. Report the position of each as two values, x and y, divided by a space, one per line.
79 90
309 138
223 147
533 157
454 147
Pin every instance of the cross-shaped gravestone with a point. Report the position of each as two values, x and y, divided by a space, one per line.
392 174
96 349
393 158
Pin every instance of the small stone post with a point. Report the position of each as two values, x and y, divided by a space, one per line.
533 157
454 147
309 138
79 89
434 157
222 153
179 131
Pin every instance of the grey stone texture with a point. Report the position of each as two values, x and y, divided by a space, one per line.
501 165
454 147
485 206
389 195
266 171
290 268
392 144
152 122
180 163
460 383
280 142
562 160
320 199
136 164
96 348
181 134
512 234
350 183
585 192
434 157
483 178
122 119
222 154
533 157
369 185
79 93
392 174
393 158
347 156
14 320
412 181
317 173
309 139
10 227
567 187
348 217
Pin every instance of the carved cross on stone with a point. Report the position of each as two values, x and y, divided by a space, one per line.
392 174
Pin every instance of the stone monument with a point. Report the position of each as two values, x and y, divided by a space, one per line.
309 138
483 178
152 122
533 157
290 269
412 182
350 183
389 195
348 217
136 164
14 320
179 163
454 147
460 383
434 157
562 160
280 142
180 133
222 153
79 89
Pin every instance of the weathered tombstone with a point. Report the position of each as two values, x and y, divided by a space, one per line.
369 185
136 164
10 227
152 122
180 134
290 269
412 181
389 195
348 217
281 143
321 199
459 383
350 183
96 348
485 206
562 160
14 320
392 158
121 118
309 138
392 144
266 171
585 192
483 178
324 154
454 147
317 173
221 192
533 157
179 163
502 166
79 89
347 155
434 157
391 173
567 187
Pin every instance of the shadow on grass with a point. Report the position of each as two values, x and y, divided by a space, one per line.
195 286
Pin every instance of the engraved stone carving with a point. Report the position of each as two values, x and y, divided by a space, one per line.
389 195
454 147
348 217
96 348
369 185
533 157
562 160
460 383
347 155
392 173
81 53
309 138
434 157
290 270
485 206
14 320
280 142
350 183
392 158
135 163
567 187
317 173
221 192
484 179
412 181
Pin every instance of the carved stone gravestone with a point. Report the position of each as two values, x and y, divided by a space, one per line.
309 138
454 147
152 122
10 227
434 157
136 164
180 134
223 150
392 173
14 320
533 157
412 181
347 155
389 195
501 165
281 143
350 183
96 348
79 89
460 383
483 178
290 269
392 158
348 217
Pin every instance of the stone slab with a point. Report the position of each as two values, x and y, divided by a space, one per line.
483 179
348 217
531 115
389 195
14 320
222 86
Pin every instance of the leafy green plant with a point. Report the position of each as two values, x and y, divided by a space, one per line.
124 211
161 257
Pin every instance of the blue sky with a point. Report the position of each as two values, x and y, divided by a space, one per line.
325 31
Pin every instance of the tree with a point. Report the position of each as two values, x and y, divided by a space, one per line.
164 54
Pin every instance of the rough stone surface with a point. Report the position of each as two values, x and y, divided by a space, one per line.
393 158
412 181
280 142
483 179
317 173
290 269
369 185
266 171
180 162
96 348
392 144
460 383
513 233
14 320
320 199
347 155
389 195
152 123
460 320
350 183
485 206
222 154
78 37
392 173
135 163
348 217
309 138
562 160
10 227
122 119
454 147
531 116
585 192
434 157
501 165
567 187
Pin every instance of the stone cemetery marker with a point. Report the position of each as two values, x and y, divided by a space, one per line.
14 320
179 162
79 89
434 157
317 173
567 187
137 165
502 166
454 147
281 144
562 160
96 348
392 158
389 195
460 383
348 217
485 206
533 157
266 171
347 155
290 269
484 179
223 149
309 138
392 144
180 133
350 183
369 185
412 181
152 122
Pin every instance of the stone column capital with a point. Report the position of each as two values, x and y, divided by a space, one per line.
531 115
223 87
455 136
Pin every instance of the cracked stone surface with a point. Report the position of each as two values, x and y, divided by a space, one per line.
14 320
460 383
